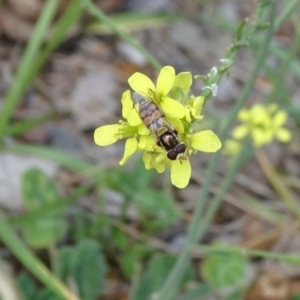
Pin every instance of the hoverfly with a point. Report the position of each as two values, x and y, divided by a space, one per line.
160 128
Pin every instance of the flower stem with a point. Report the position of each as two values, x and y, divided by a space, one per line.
25 256
278 184
196 231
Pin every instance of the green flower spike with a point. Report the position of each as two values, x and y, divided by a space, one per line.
182 113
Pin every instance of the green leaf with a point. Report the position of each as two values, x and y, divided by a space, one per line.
159 205
38 189
136 185
89 269
26 286
224 270
63 264
131 258
130 253
42 233
86 265
80 226
120 239
26 125
127 182
29 291
46 294
152 280
295 297
195 293
236 295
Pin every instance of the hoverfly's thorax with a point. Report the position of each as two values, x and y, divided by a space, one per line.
168 140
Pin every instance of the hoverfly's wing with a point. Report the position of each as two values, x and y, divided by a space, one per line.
138 96
150 96
145 116
151 114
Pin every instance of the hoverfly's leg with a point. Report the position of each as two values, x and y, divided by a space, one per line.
181 158
150 91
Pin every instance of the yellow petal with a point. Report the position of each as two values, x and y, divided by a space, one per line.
244 115
184 80
165 80
161 158
106 135
172 108
181 173
272 107
133 117
240 132
259 114
197 105
232 147
141 83
279 118
160 168
159 162
283 135
130 148
147 158
147 143
127 104
188 112
261 137
205 141
177 124
150 162
143 130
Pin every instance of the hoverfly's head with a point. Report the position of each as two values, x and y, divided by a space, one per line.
174 152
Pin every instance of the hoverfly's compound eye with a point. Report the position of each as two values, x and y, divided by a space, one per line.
180 148
172 154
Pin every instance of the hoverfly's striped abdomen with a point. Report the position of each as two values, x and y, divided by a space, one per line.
150 113
160 128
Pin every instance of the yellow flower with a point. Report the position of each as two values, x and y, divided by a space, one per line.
182 112
263 124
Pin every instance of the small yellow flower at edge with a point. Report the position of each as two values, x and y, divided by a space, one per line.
263 124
